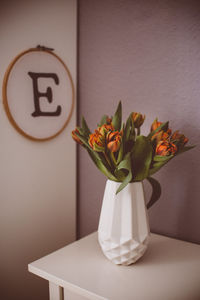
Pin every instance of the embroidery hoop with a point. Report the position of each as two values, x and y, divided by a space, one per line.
5 97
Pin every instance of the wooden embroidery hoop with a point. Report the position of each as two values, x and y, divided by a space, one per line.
5 98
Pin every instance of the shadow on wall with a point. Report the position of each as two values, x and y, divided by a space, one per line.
188 214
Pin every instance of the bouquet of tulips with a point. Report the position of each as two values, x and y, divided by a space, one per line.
124 155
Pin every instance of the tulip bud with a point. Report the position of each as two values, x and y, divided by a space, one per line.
97 141
165 148
75 137
114 141
138 119
155 124
180 138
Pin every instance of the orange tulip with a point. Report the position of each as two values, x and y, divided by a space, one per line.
165 148
105 128
114 141
161 135
138 119
75 137
97 141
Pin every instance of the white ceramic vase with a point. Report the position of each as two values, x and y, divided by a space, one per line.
123 230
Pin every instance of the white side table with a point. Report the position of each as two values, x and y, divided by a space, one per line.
169 270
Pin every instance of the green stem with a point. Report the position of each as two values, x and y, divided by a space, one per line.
113 158
107 159
138 131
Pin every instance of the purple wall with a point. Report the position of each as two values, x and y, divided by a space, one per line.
146 53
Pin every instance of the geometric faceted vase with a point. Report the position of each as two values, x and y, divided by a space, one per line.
123 231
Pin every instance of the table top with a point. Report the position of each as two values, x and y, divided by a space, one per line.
169 270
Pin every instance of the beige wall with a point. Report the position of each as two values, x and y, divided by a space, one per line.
37 180
147 54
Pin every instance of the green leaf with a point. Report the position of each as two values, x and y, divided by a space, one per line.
162 158
85 129
129 131
101 166
156 191
103 120
121 149
129 135
125 165
120 154
120 175
80 130
184 149
159 164
141 158
117 118
163 126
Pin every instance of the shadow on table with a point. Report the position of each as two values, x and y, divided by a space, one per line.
162 251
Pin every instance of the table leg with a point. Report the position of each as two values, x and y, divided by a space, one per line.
55 292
